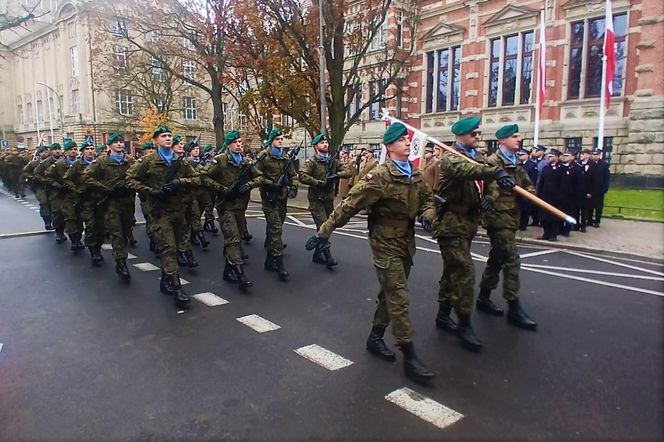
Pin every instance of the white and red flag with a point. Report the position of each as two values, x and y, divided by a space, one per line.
418 143
609 53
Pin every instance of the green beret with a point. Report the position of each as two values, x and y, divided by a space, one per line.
176 139
114 138
208 147
100 148
507 131
393 132
55 146
85 144
70 144
147 145
318 138
274 133
466 125
161 129
42 149
231 136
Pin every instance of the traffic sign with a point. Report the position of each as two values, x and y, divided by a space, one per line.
5 144
90 139
89 132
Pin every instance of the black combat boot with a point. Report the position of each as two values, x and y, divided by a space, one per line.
206 226
376 346
182 259
283 274
122 270
97 259
131 240
270 263
182 300
242 278
414 368
329 260
153 247
215 231
191 261
165 285
48 223
60 237
243 254
247 238
485 304
443 319
203 240
318 257
76 243
193 238
229 273
466 334
516 316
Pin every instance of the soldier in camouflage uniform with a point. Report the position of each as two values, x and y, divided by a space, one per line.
501 219
208 210
396 194
51 194
14 163
322 188
201 201
226 170
67 195
274 199
146 149
460 186
88 214
185 255
108 175
169 224
41 154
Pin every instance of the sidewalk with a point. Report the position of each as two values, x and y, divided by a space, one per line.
639 238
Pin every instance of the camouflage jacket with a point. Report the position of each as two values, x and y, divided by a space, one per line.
73 178
54 176
29 171
460 184
394 201
313 174
15 162
224 171
270 168
39 174
506 212
105 173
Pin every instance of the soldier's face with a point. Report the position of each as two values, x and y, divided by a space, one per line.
278 142
400 149
56 152
538 154
89 152
178 148
470 139
511 144
71 153
117 147
323 146
164 140
236 146
523 157
196 151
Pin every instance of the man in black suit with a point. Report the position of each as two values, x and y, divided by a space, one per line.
601 186
570 189
526 206
588 178
548 188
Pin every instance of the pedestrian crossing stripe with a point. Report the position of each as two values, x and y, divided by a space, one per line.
323 357
258 324
146 266
210 299
431 411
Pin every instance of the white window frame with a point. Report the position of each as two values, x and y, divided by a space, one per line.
189 69
119 28
400 29
190 111
124 102
73 61
121 54
380 38
71 29
19 113
158 72
187 44
75 102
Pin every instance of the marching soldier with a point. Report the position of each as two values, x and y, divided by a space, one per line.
321 173
67 196
226 170
108 175
396 194
501 219
145 150
39 177
41 153
201 202
274 199
461 186
185 255
14 162
208 211
162 180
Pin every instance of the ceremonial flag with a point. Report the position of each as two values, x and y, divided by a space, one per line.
418 143
542 64
609 53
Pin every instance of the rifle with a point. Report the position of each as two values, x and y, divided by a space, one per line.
174 168
331 169
283 179
241 179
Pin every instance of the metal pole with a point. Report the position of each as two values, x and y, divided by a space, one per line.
34 101
62 121
600 130
321 63
50 114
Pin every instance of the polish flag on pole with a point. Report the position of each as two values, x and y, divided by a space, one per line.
418 143
609 53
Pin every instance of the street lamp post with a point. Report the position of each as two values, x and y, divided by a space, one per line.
62 121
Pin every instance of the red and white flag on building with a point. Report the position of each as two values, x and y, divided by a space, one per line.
542 64
418 143
609 53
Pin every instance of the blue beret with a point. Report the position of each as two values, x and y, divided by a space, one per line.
161 129
393 132
274 133
318 138
466 125
114 138
507 131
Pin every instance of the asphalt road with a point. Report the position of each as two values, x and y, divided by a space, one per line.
85 357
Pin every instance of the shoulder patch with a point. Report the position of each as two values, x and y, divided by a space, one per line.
369 176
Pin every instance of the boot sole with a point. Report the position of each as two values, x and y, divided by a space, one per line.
446 328
421 379
382 357
490 312
521 325
472 347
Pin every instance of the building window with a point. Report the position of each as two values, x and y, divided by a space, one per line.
119 28
40 111
190 112
19 113
379 38
397 100
124 102
399 29
74 106
158 71
189 69
187 43
377 97
73 60
160 103
30 118
514 53
71 29
120 53
354 100
574 144
153 36
585 58
607 148
53 6
447 88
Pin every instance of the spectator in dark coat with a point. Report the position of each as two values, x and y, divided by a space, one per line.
548 188
570 189
601 186
588 185
526 206
540 161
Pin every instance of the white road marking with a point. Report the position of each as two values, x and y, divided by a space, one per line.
424 408
323 357
107 247
541 252
1 346
295 220
25 203
620 264
594 272
130 256
256 323
146 266
210 299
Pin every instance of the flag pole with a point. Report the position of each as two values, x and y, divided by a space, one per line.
602 111
540 77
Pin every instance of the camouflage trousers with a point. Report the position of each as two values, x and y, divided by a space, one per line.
230 222
393 299
503 256
72 213
320 210
168 231
275 215
193 221
456 286
204 199
55 202
119 222
147 217
93 219
44 206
